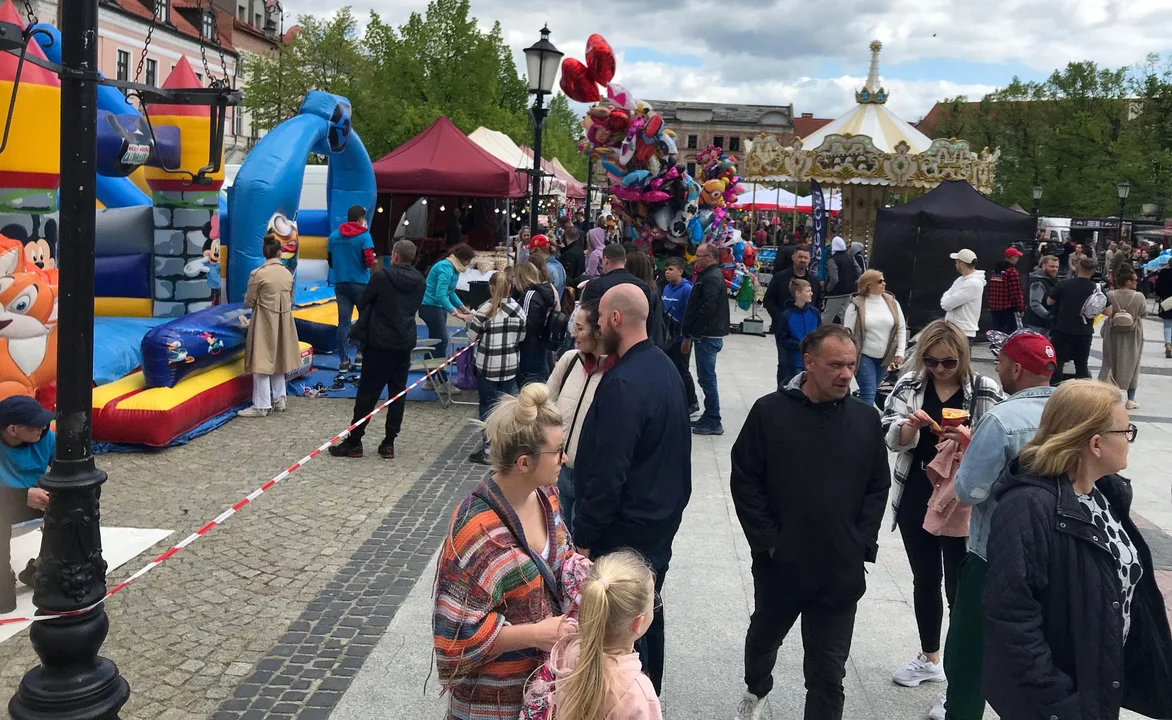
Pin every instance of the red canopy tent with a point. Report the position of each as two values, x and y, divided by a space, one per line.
439 162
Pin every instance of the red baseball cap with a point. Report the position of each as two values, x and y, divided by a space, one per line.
1032 351
1013 252
537 241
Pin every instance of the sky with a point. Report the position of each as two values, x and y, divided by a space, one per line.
815 54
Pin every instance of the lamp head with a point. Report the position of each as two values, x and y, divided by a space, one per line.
542 61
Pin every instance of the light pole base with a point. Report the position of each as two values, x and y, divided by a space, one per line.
72 682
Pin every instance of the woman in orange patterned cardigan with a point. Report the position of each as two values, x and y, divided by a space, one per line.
508 580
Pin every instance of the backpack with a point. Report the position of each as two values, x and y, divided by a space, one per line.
556 326
1121 319
1094 305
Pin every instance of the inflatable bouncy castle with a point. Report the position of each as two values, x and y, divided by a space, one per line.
158 289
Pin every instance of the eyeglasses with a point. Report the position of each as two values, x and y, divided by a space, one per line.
1130 432
881 281
947 363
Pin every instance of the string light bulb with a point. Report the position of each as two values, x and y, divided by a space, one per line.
424 201
406 222
442 208
380 209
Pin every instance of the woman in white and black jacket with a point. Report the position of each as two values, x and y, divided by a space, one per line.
572 385
942 377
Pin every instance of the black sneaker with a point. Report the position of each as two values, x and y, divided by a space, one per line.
347 449
28 576
386 450
707 429
344 366
479 457
358 361
694 408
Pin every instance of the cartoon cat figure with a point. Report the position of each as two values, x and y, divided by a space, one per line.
28 333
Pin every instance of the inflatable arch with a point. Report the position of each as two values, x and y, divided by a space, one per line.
269 181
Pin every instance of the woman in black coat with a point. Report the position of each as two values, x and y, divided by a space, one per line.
1164 295
1075 626
536 295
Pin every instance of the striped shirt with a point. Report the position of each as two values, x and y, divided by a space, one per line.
498 355
484 580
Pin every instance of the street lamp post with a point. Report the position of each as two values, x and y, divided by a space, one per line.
542 60
1037 201
589 192
73 682
1123 189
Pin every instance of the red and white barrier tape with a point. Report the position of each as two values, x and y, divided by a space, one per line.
219 520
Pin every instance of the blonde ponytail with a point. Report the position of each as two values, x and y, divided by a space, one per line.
619 589
499 284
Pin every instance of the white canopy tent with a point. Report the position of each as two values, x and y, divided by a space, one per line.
504 149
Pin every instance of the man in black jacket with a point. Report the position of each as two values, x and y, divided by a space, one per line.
633 475
389 302
810 504
572 257
705 326
614 273
777 294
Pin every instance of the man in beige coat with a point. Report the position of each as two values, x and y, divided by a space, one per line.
272 349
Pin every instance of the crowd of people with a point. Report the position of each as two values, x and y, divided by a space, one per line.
1005 490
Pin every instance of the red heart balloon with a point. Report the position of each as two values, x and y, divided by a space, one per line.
600 59
576 82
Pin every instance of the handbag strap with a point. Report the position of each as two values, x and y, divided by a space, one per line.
491 494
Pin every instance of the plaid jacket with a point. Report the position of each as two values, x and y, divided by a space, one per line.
980 394
498 354
1005 290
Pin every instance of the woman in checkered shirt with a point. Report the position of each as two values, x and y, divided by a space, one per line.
499 326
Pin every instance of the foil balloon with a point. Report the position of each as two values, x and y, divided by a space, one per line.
576 82
600 59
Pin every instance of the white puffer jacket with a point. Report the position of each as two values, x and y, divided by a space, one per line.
573 391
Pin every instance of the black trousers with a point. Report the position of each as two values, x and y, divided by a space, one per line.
826 639
932 559
1004 320
13 509
1070 348
381 369
681 361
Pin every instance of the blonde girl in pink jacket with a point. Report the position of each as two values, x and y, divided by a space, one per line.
596 672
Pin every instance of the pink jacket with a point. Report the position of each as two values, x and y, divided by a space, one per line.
947 516
632 697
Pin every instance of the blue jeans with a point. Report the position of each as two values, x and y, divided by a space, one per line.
566 496
1168 330
706 350
347 294
533 367
436 319
490 392
869 374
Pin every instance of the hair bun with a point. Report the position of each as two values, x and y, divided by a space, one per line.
532 397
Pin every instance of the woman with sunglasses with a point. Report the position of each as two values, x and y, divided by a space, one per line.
876 321
1075 625
507 573
941 377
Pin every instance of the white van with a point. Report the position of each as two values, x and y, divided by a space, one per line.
1057 229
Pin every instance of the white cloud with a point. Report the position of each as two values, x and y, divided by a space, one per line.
770 51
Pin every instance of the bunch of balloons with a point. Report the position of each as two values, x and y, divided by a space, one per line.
651 192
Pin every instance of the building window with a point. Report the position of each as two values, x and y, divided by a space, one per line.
163 10
718 141
734 144
208 29
242 13
693 141
237 121
257 20
123 66
152 72
692 168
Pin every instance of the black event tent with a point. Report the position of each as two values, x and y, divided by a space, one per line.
913 243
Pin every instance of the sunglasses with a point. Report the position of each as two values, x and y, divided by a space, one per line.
947 364
1130 432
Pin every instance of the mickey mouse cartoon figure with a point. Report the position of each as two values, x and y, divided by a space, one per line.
209 262
40 249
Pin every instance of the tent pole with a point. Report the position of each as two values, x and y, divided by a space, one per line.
753 212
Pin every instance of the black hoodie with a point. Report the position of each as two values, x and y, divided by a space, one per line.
396 292
1053 620
810 482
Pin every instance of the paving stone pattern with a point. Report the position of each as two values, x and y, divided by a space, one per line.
189 632
305 675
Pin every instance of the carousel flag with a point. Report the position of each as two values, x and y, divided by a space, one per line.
818 252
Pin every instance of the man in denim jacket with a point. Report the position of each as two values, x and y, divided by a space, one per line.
1025 362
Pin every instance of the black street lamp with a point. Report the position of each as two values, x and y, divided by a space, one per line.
73 681
542 60
1037 201
1123 189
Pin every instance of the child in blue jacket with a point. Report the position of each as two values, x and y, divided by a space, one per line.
799 319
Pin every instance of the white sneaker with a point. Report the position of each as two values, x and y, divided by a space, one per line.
919 670
252 412
940 709
750 707
279 406
1131 405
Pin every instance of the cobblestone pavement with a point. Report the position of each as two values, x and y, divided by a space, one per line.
190 632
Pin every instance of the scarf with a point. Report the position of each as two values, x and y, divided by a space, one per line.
456 263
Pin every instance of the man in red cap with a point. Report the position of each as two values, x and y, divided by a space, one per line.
1025 362
1006 299
540 250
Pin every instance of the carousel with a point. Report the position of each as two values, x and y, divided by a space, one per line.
868 154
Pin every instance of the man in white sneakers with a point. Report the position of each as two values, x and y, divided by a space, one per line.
962 301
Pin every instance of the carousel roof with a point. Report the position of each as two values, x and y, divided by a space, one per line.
871 117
